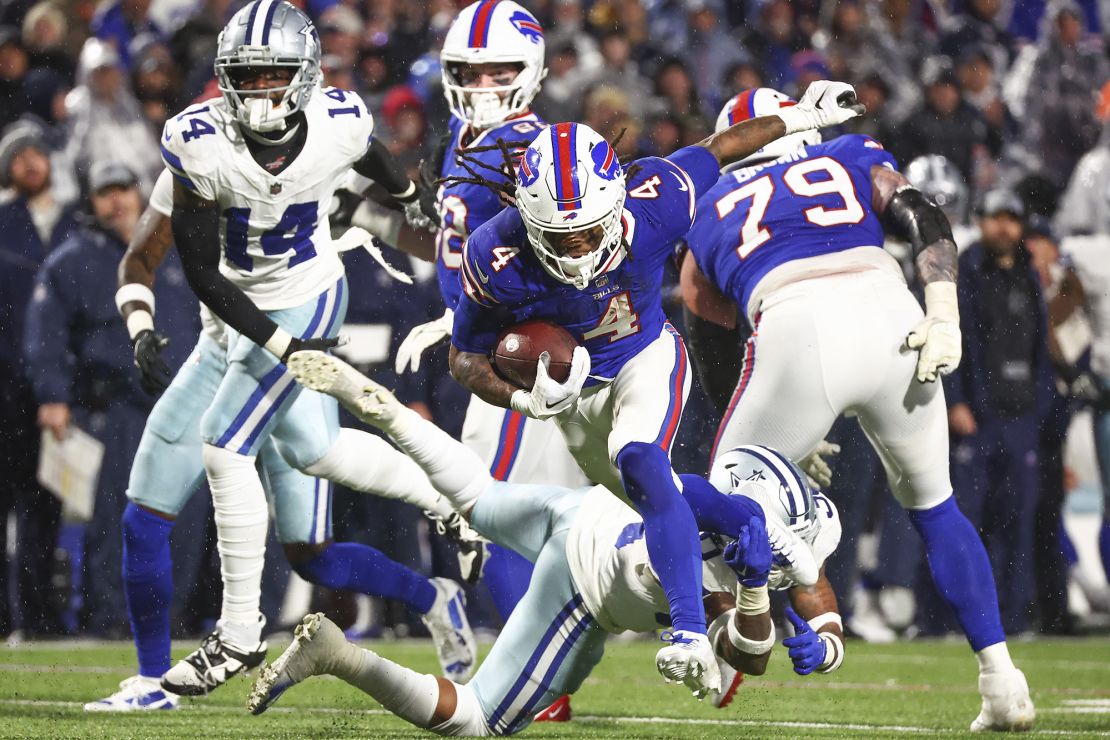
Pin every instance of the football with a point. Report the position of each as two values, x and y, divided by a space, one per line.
519 348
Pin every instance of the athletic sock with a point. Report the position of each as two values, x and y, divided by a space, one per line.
994 658
410 695
961 571
148 586
671 534
349 566
455 471
714 511
369 464
506 575
241 517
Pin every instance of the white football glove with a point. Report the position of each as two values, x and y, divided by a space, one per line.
550 398
824 104
937 338
815 467
421 338
417 218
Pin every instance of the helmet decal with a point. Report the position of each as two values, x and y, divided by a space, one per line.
479 27
529 166
527 26
605 161
563 144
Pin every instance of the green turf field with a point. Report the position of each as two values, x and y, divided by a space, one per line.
882 691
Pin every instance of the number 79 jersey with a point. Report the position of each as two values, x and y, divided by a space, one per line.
274 231
808 204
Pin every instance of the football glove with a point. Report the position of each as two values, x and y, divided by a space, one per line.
420 210
814 465
824 104
749 555
549 397
806 648
937 338
154 373
422 338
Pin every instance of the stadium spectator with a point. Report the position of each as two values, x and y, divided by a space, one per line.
622 73
156 84
121 23
560 98
403 113
773 39
1053 90
44 35
105 118
709 50
675 94
981 23
32 223
79 361
13 68
900 30
46 109
999 397
739 76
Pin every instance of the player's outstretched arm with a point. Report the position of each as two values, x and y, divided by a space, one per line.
909 215
196 231
824 104
380 166
818 641
135 298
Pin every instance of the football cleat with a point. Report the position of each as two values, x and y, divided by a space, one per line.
689 659
472 547
136 694
324 373
559 711
730 683
1006 703
446 620
315 640
210 666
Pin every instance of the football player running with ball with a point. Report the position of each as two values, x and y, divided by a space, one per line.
794 239
585 248
764 529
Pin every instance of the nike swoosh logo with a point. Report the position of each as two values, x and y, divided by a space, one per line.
552 713
551 406
681 182
481 275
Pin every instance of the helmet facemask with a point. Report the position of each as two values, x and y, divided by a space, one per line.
255 108
578 271
484 107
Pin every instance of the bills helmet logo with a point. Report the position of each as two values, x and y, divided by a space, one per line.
571 216
606 164
529 167
527 26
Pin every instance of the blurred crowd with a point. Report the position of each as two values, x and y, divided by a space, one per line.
997 109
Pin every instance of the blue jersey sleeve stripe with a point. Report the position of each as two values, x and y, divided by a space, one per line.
173 162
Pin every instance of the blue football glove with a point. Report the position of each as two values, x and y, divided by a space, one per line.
807 649
750 554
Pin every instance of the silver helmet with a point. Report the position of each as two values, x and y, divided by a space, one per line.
939 180
774 481
267 33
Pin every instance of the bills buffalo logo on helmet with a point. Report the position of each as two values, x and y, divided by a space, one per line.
527 26
529 167
605 160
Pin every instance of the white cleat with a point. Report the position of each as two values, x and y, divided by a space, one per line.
1006 703
136 694
324 373
689 659
210 666
730 684
446 620
472 551
315 641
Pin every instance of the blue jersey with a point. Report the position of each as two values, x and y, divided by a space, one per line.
620 312
465 207
813 203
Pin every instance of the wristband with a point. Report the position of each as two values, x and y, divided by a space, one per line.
136 292
139 321
519 402
827 618
834 652
747 646
408 195
752 601
279 342
941 302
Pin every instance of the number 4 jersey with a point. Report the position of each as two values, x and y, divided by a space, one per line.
273 227
814 202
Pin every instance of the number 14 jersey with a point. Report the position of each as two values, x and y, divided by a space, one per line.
273 226
811 203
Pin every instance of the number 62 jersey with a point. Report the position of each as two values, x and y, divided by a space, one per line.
274 230
812 203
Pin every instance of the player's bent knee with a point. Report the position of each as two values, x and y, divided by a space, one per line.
468 720
641 463
300 554
916 501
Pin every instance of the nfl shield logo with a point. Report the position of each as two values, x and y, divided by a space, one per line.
275 188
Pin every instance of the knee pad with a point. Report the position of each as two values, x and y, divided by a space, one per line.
468 720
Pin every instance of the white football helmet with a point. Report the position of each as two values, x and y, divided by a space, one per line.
763 101
570 179
485 32
780 487
267 33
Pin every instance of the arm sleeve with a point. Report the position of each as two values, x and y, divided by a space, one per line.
196 233
716 512
379 165
46 346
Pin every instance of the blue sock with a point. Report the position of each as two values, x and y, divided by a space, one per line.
717 512
506 574
349 566
1104 546
961 571
148 586
671 533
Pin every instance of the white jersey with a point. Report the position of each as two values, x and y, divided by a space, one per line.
1091 257
161 200
275 237
609 563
